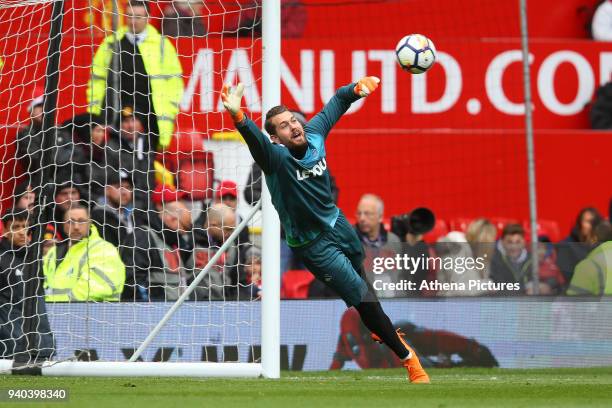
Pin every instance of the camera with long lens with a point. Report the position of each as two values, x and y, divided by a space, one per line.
418 221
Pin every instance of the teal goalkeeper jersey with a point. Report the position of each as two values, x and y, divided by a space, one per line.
300 188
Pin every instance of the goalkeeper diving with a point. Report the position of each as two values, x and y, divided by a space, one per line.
316 230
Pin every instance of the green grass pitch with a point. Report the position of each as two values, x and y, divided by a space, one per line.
556 388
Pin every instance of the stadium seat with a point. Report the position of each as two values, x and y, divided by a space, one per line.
184 145
196 178
548 228
501 222
460 224
295 284
192 165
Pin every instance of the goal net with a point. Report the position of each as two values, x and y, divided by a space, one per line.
128 196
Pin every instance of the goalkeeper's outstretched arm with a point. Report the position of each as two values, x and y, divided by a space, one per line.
333 110
263 151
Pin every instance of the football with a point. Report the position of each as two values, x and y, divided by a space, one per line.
415 53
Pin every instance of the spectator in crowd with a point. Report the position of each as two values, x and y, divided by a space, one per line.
549 272
593 275
376 240
183 18
129 151
94 144
113 216
66 197
84 267
147 77
601 26
252 271
481 235
163 194
13 246
186 225
413 246
61 158
370 227
122 150
511 262
226 279
12 260
29 139
98 135
601 109
453 250
579 243
154 255
227 194
24 197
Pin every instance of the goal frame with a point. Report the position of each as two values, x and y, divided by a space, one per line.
269 365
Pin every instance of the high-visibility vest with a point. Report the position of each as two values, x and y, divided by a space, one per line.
165 75
91 270
593 275
163 176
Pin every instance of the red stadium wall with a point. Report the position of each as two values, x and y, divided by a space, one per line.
419 135
466 18
474 174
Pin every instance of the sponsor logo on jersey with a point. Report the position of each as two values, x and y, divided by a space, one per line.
317 170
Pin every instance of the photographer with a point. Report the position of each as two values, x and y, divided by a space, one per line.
410 228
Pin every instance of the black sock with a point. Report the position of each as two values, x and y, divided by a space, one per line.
375 319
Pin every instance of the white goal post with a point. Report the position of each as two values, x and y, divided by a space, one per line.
267 309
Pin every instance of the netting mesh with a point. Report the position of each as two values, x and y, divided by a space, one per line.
134 186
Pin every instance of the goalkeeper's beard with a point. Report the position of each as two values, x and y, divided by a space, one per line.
297 144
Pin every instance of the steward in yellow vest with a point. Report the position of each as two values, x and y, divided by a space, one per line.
85 267
149 73
593 275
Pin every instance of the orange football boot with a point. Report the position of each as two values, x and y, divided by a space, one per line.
416 373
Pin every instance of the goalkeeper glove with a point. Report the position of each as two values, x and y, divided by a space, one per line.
366 85
231 98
